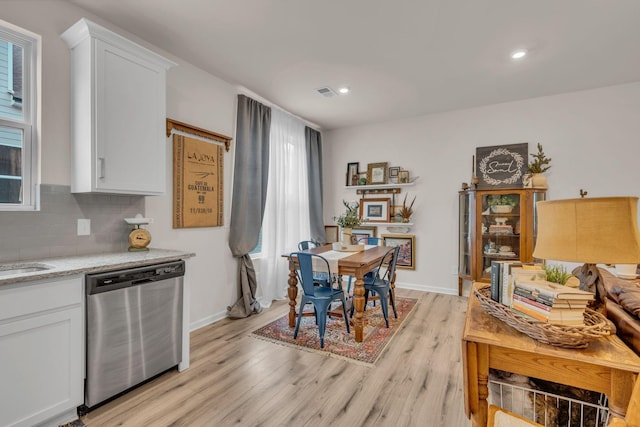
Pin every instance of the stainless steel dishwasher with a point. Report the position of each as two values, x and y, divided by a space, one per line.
134 328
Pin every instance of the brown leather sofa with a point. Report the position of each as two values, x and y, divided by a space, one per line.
623 307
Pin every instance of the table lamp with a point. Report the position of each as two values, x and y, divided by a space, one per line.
590 230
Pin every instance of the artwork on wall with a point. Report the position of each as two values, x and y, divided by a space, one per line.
501 166
377 173
362 232
197 183
331 233
407 251
353 173
375 210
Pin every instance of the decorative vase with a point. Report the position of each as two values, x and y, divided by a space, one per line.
345 237
538 181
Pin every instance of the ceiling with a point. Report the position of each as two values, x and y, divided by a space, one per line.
400 58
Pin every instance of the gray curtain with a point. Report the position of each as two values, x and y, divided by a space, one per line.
250 177
314 171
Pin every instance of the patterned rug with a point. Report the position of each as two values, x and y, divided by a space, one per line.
337 342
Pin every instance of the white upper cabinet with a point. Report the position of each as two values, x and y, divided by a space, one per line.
118 91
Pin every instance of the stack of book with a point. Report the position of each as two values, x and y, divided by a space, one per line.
550 302
503 274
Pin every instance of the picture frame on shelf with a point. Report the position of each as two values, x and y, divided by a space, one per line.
403 177
407 253
364 231
375 210
331 233
353 173
393 174
395 212
377 173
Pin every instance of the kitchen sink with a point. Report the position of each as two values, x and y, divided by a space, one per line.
13 269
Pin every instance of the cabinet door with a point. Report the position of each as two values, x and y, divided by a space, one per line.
130 113
40 366
501 224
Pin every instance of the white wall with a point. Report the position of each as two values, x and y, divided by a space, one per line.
593 138
193 97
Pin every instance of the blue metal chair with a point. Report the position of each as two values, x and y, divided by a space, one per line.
320 296
377 241
320 278
370 276
382 284
305 245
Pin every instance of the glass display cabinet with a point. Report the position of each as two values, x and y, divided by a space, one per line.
495 225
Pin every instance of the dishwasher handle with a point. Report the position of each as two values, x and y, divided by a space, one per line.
119 279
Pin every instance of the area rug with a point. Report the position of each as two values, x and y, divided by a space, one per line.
337 342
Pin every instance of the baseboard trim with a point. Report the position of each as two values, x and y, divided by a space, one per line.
207 321
427 288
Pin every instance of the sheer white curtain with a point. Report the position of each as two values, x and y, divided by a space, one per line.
286 218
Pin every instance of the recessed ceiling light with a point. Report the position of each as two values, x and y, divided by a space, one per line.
519 54
343 89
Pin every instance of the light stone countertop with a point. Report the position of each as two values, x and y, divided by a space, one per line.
67 266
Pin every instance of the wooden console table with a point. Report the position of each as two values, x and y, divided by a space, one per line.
606 366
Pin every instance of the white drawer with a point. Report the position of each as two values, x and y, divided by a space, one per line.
31 297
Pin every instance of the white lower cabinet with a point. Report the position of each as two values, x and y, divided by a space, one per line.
41 351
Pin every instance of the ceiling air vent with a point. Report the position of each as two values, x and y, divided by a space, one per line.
326 91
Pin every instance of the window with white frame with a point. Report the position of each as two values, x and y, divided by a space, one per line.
19 81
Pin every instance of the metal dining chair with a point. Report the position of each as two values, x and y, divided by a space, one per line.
320 296
320 278
375 241
305 245
381 284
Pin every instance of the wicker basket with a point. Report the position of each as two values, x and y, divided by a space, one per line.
567 336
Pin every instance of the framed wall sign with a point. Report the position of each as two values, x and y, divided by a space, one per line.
375 210
407 252
377 173
501 166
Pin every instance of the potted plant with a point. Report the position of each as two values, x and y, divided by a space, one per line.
539 165
502 204
405 211
348 220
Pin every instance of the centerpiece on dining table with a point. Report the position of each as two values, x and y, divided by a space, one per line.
347 221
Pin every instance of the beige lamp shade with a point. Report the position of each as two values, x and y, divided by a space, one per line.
592 231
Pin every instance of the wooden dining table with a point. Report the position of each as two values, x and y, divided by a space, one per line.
357 265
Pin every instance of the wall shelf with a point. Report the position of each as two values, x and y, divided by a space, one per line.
380 186
389 224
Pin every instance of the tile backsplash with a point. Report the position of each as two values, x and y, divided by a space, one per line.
52 231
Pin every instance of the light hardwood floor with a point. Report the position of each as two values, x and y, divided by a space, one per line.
236 379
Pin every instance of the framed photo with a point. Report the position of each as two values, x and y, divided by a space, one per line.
403 177
407 253
375 210
331 233
353 173
377 173
364 231
393 174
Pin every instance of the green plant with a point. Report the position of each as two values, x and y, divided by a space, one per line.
503 200
557 274
540 162
351 217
